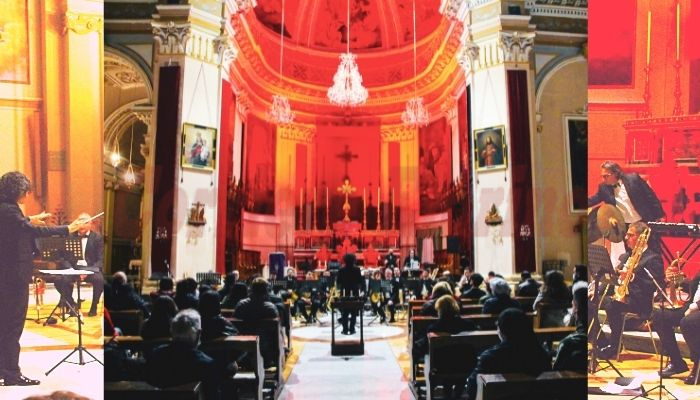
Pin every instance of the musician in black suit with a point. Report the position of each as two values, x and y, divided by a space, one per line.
629 193
390 260
641 289
349 281
93 256
392 298
411 257
17 234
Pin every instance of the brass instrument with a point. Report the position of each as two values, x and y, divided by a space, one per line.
622 291
433 273
375 297
675 276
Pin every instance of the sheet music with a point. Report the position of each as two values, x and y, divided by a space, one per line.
69 271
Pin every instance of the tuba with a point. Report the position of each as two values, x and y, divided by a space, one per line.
622 291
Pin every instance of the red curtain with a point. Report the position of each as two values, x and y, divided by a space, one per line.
228 115
523 209
166 156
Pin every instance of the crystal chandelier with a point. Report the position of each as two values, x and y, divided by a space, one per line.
280 112
129 175
415 114
347 89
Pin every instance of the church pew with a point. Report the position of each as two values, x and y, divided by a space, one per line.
419 325
137 390
477 340
275 331
551 385
129 321
469 309
250 377
416 305
228 313
449 358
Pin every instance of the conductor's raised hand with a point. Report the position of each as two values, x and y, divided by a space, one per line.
76 224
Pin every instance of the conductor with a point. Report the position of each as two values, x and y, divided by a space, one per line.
349 281
17 234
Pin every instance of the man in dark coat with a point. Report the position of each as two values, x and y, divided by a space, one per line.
17 234
472 291
518 351
258 306
641 290
629 193
349 282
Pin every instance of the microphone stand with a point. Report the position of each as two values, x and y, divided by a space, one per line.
661 385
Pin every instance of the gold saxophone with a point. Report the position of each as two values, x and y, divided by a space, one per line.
622 291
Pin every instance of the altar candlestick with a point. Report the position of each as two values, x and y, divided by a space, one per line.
678 31
648 35
393 209
379 202
301 207
314 220
328 210
364 208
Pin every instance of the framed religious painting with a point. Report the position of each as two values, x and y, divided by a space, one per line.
198 147
490 148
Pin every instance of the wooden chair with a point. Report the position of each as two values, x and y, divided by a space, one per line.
250 377
129 321
137 390
450 360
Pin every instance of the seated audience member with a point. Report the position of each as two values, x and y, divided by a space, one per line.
229 281
518 351
464 279
488 294
440 289
181 362
527 287
255 307
501 297
425 285
554 292
572 354
238 292
580 274
214 325
158 324
165 288
186 294
204 288
471 290
123 297
449 322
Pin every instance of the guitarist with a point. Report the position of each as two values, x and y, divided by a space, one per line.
376 297
392 297
641 288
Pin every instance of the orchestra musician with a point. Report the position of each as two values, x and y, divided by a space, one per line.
392 298
641 287
93 252
17 234
688 318
411 261
390 260
376 295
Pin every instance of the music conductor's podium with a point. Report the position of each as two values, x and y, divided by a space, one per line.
347 347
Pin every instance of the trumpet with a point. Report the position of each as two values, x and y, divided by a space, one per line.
675 276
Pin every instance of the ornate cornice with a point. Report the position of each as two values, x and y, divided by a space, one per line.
558 8
468 56
516 46
83 23
226 51
397 133
454 10
298 133
171 37
449 108
243 104
240 6
145 115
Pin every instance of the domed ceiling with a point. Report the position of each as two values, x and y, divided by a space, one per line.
374 24
381 35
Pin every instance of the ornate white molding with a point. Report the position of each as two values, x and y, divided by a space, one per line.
397 133
558 8
171 38
468 56
298 133
516 46
240 6
449 108
225 50
145 115
83 23
243 104
454 10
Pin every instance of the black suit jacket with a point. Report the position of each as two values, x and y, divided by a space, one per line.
94 252
350 280
641 287
407 260
642 197
17 245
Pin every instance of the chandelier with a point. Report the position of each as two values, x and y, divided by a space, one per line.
415 114
129 175
347 89
280 112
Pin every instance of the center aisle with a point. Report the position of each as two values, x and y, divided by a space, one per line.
318 375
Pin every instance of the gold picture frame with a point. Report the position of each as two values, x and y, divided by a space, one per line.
490 149
198 147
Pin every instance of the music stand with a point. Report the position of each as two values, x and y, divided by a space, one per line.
599 264
58 250
80 348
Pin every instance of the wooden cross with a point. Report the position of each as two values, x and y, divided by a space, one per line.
347 157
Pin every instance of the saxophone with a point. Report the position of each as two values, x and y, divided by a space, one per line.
622 291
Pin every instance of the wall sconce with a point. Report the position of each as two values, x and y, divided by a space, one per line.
161 233
525 232
196 214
